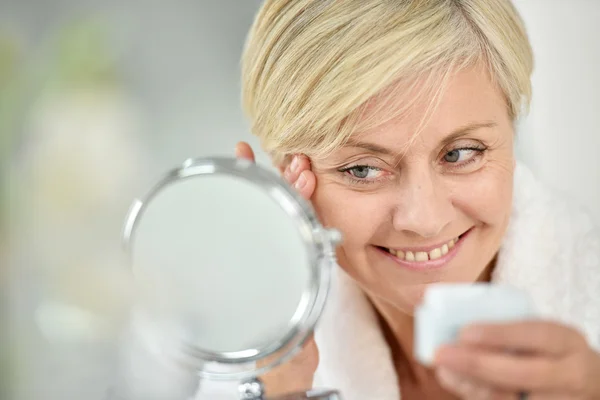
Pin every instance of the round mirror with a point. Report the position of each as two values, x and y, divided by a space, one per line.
230 256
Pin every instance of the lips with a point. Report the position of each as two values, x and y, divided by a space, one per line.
420 256
427 256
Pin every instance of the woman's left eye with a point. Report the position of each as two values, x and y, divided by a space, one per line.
465 155
363 173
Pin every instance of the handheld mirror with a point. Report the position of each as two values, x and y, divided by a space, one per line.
237 262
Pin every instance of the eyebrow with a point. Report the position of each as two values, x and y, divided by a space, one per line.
455 134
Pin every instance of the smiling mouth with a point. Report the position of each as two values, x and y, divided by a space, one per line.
423 256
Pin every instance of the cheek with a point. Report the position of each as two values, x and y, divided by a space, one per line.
486 196
356 214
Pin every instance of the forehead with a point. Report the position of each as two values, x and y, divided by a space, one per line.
470 97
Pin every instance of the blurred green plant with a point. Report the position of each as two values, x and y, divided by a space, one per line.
10 90
8 83
11 84
77 56
82 56
11 100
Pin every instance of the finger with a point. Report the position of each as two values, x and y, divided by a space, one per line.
243 150
295 375
308 357
300 176
470 389
306 183
528 336
298 164
508 371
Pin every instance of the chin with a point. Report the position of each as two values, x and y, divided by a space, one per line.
407 301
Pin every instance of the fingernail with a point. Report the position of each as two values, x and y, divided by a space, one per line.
295 164
301 182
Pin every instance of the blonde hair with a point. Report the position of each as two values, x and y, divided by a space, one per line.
310 67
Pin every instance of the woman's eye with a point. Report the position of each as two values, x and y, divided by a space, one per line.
460 155
363 172
360 172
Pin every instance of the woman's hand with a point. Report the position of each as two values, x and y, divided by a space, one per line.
295 375
546 360
297 172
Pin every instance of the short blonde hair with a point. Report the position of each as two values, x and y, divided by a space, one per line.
310 67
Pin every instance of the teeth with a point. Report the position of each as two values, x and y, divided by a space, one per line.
421 256
444 249
435 253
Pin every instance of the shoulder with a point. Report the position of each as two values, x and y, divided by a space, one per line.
547 220
552 248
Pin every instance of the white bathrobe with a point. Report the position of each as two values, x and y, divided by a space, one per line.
551 249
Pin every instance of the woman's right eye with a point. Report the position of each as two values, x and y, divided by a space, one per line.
362 173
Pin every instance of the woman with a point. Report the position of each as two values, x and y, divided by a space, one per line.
396 119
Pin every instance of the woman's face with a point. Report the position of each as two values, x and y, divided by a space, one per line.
434 210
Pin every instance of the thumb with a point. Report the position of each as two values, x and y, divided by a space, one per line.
244 151
295 375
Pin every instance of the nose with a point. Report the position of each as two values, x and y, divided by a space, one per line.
424 204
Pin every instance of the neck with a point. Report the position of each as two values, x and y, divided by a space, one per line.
398 329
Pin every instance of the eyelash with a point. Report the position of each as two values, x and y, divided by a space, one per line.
353 179
479 150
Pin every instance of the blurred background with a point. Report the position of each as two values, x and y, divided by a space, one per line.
98 99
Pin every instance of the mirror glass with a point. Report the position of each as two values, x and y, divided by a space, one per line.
217 255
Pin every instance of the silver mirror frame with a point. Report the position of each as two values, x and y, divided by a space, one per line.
320 245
